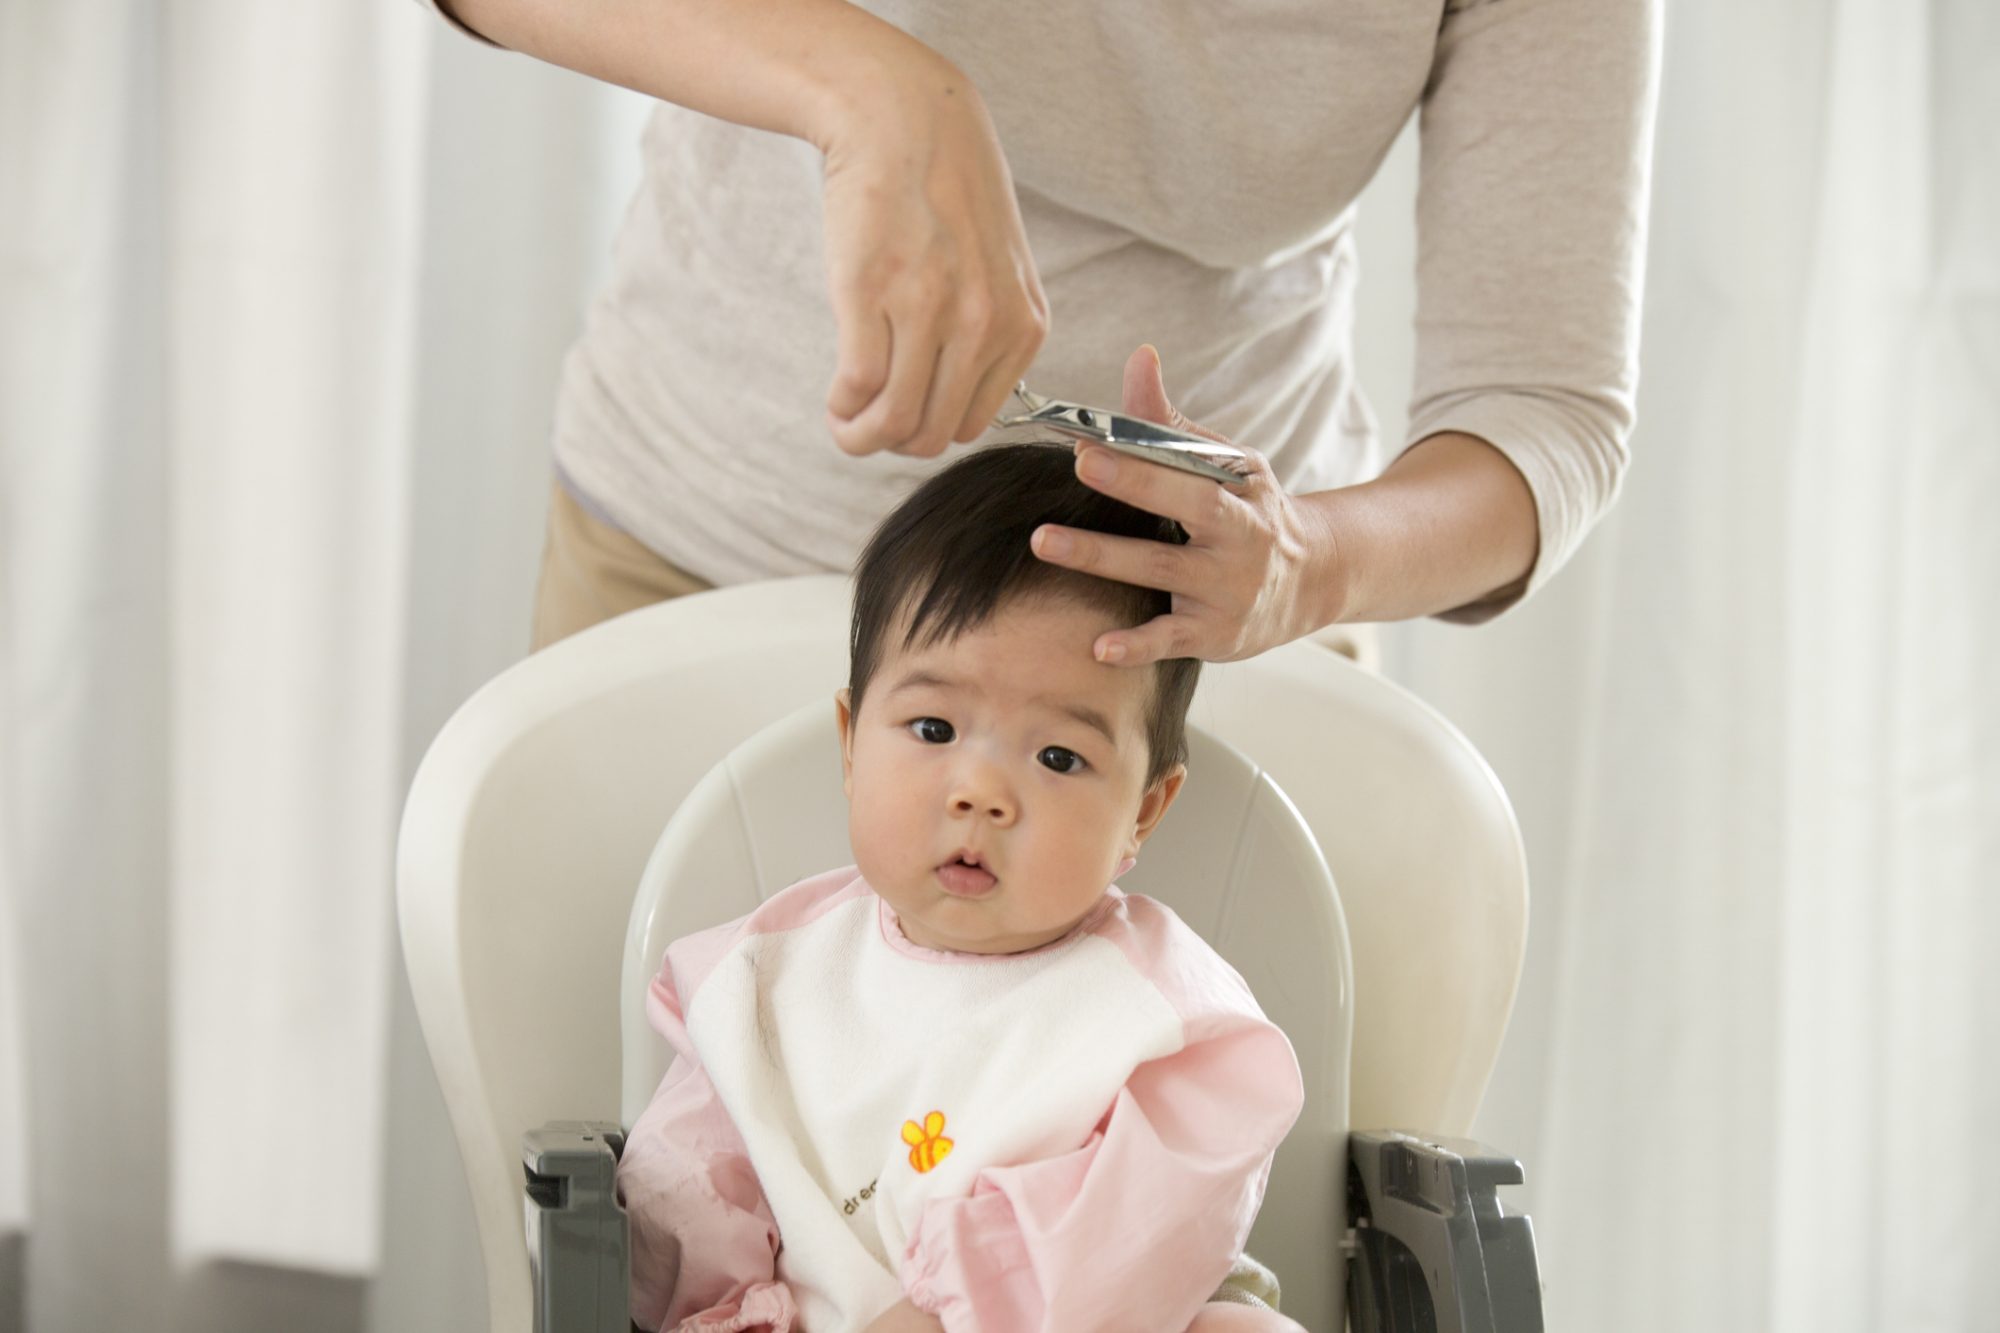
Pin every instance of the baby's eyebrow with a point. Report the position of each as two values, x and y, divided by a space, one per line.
1083 713
917 677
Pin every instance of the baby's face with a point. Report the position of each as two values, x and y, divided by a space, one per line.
985 745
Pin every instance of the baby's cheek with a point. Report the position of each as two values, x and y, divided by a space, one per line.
860 839
875 833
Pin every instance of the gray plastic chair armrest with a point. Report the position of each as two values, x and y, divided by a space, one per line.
579 1242
1434 1253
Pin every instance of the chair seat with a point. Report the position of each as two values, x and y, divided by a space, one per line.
535 811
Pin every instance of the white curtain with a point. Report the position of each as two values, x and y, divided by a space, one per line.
284 292
209 332
1753 735
277 367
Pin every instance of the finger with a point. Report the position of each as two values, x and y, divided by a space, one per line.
894 415
863 365
991 395
1160 638
1145 395
945 408
1196 503
1008 368
1135 560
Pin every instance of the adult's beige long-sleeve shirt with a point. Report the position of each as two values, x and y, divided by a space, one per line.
1187 174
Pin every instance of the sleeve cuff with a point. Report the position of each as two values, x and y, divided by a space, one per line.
966 1266
1572 459
437 7
760 1307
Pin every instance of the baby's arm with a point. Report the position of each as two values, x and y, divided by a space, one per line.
1136 1228
704 1242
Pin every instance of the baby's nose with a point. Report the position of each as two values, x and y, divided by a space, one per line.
982 793
994 807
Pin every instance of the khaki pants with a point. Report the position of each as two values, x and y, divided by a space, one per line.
591 572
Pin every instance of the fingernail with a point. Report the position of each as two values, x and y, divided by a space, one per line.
1097 466
1112 653
1048 541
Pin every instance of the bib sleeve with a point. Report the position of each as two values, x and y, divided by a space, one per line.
1136 1228
704 1241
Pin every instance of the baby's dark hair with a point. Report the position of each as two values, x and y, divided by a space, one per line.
957 550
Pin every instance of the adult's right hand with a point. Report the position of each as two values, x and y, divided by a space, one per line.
935 295
934 291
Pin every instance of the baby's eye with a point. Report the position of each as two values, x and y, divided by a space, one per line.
1066 761
933 730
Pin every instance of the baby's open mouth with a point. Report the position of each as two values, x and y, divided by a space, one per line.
965 876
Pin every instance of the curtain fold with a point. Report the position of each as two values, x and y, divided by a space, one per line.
285 292
292 180
209 256
1889 1013
85 720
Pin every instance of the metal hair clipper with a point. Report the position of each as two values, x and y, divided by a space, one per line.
1129 435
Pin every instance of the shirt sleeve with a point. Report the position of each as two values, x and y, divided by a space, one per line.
438 8
1136 1228
1535 160
704 1241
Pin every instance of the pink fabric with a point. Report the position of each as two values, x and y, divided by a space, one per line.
704 1242
685 1177
692 957
1132 1230
761 1307
703 1239
1135 1229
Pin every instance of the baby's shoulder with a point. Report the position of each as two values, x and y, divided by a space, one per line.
802 903
1186 969
692 957
1149 927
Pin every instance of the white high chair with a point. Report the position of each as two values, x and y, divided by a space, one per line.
537 891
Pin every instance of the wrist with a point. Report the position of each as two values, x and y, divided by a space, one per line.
1332 574
883 84
1450 524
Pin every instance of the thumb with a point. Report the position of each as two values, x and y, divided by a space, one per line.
1146 395
1146 390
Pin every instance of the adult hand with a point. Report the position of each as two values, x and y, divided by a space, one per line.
1257 570
934 291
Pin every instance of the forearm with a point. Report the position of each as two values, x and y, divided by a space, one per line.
797 67
1448 523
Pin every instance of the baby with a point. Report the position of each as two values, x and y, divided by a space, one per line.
968 1083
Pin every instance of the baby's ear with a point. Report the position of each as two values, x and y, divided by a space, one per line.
843 719
1159 796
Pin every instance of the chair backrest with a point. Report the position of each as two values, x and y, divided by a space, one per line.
1233 858
538 805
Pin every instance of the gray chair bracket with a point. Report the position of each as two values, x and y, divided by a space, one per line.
579 1241
1434 1252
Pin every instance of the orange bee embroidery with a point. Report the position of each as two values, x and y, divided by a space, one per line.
928 1145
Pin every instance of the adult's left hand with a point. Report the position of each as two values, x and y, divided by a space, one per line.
1256 565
